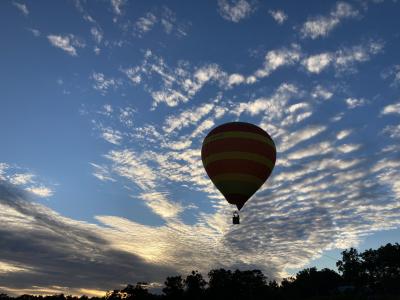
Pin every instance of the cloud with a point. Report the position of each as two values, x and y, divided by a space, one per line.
111 136
21 179
319 185
391 109
117 6
68 43
101 172
316 63
235 79
3 168
160 205
24 180
343 134
234 10
102 84
97 34
22 8
171 25
40 191
321 92
52 247
392 130
353 102
278 15
278 58
344 59
145 24
177 85
187 117
128 164
392 72
321 26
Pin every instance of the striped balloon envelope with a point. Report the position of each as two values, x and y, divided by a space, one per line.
238 157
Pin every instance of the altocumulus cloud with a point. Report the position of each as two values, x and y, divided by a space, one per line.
234 10
321 26
322 195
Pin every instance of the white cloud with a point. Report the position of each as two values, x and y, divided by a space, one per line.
40 191
21 178
346 148
146 23
234 10
102 84
354 102
205 125
392 130
68 43
343 134
391 109
279 16
97 34
7 268
316 63
318 27
296 137
170 24
161 205
101 172
321 92
128 164
111 136
117 6
321 26
235 79
3 168
345 58
186 118
273 106
313 150
278 58
22 8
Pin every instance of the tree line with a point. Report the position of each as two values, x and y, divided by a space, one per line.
372 274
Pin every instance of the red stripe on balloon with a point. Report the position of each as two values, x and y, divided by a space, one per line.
238 166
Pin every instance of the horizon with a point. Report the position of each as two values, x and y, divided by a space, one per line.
104 108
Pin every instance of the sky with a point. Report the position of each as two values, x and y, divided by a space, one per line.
103 109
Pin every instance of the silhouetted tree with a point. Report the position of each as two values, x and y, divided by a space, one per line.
137 292
195 285
382 268
113 295
351 267
220 284
174 287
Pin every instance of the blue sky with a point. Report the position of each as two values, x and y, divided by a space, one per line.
104 106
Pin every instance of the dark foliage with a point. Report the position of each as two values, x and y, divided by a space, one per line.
372 274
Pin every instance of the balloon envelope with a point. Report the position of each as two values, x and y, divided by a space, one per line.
238 157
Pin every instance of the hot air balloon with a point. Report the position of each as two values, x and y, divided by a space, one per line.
238 157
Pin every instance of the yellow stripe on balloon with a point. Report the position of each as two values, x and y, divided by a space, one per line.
238 177
238 134
238 155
